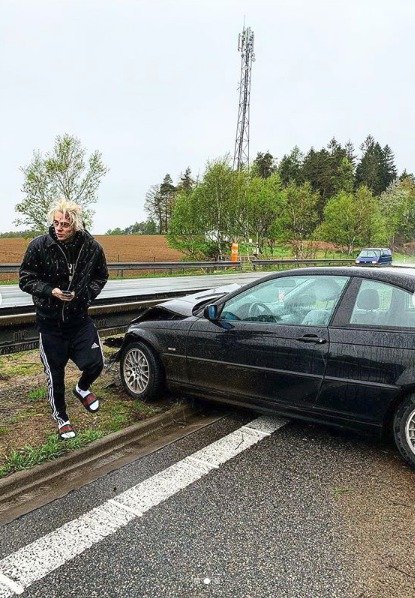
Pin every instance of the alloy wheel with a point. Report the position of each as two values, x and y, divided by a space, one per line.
410 431
136 370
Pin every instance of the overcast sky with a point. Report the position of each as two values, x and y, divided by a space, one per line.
153 85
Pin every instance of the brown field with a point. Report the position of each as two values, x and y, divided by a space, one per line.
118 248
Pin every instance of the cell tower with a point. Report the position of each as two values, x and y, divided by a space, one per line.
246 48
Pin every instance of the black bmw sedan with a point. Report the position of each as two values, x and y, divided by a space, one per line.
331 345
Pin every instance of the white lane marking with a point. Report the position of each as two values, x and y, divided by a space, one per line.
12 585
33 562
129 509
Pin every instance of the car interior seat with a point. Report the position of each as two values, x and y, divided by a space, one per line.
326 291
367 306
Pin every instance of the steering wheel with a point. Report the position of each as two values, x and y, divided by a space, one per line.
258 309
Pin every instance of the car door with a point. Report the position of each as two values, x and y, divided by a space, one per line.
372 353
270 343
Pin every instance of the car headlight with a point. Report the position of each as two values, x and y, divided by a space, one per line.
374 262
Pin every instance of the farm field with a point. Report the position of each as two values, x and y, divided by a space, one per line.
135 248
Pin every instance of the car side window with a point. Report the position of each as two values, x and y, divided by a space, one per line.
383 305
307 300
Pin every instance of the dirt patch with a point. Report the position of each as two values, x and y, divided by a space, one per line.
379 521
25 416
118 248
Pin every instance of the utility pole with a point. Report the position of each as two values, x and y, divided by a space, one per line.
246 48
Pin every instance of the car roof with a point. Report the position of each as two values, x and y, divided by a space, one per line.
399 275
375 249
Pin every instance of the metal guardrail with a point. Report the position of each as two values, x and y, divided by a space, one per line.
202 265
121 266
18 331
17 328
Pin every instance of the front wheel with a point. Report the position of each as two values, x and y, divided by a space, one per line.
404 429
141 372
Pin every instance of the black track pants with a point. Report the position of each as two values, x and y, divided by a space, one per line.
83 347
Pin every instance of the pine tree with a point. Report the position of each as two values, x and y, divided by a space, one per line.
388 168
290 168
167 193
263 165
186 182
376 168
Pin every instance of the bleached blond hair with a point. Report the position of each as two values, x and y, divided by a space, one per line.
71 210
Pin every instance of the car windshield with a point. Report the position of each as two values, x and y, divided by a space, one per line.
369 253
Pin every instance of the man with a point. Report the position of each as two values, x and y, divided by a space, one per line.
64 271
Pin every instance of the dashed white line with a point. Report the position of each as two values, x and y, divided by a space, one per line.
33 562
12 585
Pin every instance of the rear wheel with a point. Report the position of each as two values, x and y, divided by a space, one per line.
141 372
404 429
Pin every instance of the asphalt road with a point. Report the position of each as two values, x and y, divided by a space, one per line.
298 510
12 296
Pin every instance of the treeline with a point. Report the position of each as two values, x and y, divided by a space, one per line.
328 195
146 227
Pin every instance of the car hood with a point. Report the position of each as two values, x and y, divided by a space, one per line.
180 308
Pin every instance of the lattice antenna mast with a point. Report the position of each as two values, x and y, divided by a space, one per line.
246 48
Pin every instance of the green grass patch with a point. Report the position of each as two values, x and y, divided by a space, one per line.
117 422
20 416
18 364
144 409
53 448
36 394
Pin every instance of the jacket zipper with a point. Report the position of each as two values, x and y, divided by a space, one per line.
69 273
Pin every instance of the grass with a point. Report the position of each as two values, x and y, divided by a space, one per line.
12 366
26 437
36 394
113 417
144 409
29 456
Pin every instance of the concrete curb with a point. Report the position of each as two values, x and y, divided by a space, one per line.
28 481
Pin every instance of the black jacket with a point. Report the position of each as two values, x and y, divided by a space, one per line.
45 267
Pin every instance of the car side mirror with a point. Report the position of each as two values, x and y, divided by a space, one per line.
211 312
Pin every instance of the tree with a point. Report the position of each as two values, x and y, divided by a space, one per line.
290 168
351 219
344 178
154 208
186 182
300 217
398 206
264 205
205 221
376 168
167 196
388 169
263 166
147 227
64 172
328 171
159 203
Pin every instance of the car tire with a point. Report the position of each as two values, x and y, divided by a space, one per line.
404 429
141 372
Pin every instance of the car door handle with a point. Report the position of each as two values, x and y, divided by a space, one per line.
312 338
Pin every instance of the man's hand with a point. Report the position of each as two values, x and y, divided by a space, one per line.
63 295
